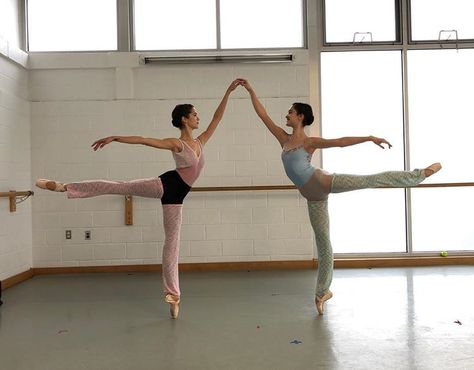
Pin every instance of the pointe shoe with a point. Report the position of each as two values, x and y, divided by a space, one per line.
320 301
174 305
431 170
50 185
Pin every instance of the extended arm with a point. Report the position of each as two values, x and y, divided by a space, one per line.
218 114
170 144
320 143
280 134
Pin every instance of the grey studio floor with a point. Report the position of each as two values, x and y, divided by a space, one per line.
380 318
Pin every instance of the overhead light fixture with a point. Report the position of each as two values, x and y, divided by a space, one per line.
193 59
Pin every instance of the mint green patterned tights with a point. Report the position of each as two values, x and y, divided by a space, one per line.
319 215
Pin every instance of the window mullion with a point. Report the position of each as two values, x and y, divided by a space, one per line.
406 147
123 25
218 25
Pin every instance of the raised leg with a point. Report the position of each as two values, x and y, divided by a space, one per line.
399 179
149 188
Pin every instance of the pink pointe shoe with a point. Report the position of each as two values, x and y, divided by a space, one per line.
431 170
174 305
50 185
320 301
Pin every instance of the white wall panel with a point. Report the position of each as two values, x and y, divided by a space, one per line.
74 106
15 169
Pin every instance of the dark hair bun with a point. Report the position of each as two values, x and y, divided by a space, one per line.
306 111
180 111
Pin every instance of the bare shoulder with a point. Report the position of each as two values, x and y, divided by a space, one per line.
314 142
174 143
169 143
283 137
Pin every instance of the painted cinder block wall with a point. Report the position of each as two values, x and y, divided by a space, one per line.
75 103
53 106
15 162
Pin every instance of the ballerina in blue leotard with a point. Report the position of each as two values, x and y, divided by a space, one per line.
316 184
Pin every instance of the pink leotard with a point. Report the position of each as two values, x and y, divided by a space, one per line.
188 164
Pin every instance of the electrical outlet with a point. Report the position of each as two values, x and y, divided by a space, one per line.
68 234
87 235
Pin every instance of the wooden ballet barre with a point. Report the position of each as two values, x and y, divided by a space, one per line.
12 195
244 188
129 199
445 185
292 187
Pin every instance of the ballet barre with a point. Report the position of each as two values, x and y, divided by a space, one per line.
12 195
244 188
129 198
292 187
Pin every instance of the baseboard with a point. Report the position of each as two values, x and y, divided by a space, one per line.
252 266
403 261
249 266
214 266
17 279
94 269
269 265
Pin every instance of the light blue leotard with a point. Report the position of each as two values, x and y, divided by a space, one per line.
314 186
297 164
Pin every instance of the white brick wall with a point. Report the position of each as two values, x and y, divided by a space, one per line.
15 169
72 107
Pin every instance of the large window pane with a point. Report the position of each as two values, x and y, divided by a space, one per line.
441 115
72 25
261 23
175 25
441 111
9 28
442 219
346 19
361 96
429 17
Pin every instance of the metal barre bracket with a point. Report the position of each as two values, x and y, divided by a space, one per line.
12 195
128 210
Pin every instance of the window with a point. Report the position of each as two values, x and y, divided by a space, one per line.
161 25
361 96
193 25
72 25
360 21
9 22
440 101
442 219
442 19
261 23
439 116
174 25
441 129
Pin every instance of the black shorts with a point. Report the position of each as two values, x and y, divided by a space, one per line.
174 188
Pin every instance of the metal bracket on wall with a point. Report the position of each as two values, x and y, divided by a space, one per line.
128 210
13 195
